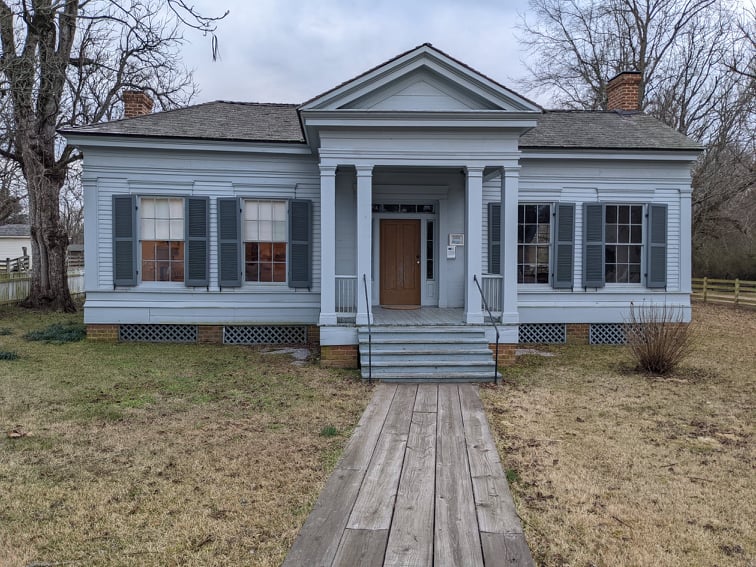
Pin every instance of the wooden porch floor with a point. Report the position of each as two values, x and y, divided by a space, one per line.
419 317
419 484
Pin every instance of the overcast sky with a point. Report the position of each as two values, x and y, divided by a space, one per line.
290 51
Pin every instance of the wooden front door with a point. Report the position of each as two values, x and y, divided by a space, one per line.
400 262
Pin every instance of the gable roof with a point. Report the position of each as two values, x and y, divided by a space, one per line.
422 57
219 120
14 230
612 130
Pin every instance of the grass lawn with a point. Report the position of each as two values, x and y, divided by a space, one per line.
610 467
158 454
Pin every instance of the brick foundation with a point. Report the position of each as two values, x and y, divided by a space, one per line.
97 332
507 355
339 356
578 333
210 334
313 336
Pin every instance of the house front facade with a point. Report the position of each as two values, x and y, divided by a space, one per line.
406 195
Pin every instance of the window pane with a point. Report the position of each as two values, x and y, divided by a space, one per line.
147 230
611 254
279 272
176 229
251 231
624 214
147 207
266 272
148 250
279 231
621 253
634 273
251 272
279 252
177 208
266 230
250 210
611 233
543 213
266 211
622 273
636 214
611 213
177 251
636 234
163 271
279 211
623 234
266 252
542 276
531 213
634 254
161 250
543 233
543 255
521 214
530 233
162 230
148 271
177 271
251 251
162 209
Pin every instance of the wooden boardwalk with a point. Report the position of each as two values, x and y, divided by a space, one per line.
419 484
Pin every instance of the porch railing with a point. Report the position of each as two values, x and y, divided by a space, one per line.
491 291
495 326
346 294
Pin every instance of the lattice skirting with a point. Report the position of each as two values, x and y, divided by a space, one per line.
158 333
543 333
608 334
264 334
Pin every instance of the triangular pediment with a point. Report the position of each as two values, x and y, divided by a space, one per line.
421 80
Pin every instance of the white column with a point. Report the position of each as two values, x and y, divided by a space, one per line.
686 268
364 241
327 245
510 181
473 244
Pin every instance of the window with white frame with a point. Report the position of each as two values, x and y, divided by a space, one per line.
265 240
623 243
533 242
161 235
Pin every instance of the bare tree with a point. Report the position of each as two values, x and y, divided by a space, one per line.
696 59
64 63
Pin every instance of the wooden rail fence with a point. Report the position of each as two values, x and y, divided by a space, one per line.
736 292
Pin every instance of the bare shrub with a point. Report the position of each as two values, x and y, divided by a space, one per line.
658 337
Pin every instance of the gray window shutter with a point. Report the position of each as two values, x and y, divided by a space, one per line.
196 259
593 245
564 246
300 243
656 257
494 238
124 240
229 243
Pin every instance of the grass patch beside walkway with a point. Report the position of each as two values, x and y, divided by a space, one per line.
160 454
611 467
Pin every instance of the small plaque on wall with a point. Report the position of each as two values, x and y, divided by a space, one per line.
456 239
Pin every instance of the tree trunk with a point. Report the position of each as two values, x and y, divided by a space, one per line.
49 284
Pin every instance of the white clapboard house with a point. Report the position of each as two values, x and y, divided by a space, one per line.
399 198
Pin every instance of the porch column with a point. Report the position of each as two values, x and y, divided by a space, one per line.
364 241
510 181
327 245
473 244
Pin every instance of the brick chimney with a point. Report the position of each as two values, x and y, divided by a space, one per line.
136 103
623 91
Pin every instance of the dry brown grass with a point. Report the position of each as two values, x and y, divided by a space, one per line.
161 454
610 467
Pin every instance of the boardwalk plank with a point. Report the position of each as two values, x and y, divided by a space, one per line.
495 506
318 539
481 448
457 540
375 503
427 398
363 548
506 550
411 537
359 450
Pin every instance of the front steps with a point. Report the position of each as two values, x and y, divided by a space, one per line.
427 354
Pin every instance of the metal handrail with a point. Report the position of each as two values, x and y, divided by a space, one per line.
370 331
496 328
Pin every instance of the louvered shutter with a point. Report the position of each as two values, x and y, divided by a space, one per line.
300 243
593 245
196 254
656 258
494 238
229 243
124 240
564 246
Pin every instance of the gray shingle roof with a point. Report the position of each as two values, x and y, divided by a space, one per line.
14 230
262 122
219 120
604 130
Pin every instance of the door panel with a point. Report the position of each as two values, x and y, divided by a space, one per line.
400 262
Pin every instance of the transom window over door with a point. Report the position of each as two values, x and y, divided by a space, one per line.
265 242
624 242
161 233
